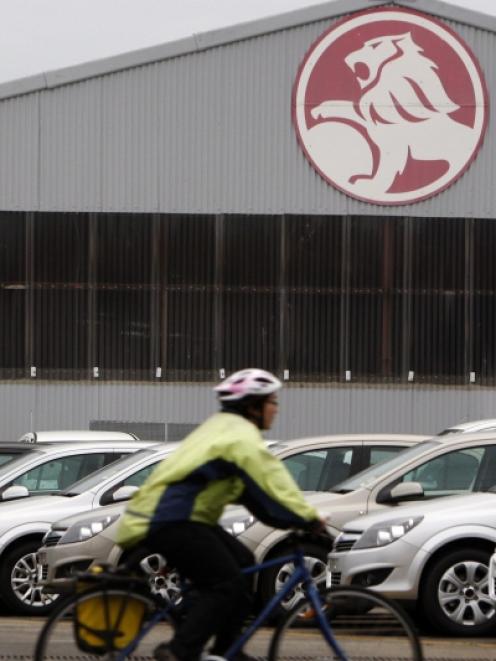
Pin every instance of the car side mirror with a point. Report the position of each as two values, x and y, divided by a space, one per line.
401 492
124 493
15 491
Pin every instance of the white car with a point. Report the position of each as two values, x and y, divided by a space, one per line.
431 556
24 522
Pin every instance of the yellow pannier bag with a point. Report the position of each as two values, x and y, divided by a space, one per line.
108 621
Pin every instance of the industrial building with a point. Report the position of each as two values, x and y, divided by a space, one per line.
312 193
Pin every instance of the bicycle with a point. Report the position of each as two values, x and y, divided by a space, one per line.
350 621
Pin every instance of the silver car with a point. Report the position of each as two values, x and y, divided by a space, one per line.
315 463
440 466
24 522
432 556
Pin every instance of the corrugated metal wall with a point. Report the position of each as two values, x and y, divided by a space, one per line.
303 412
206 132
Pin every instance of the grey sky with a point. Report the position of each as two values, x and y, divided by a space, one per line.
42 35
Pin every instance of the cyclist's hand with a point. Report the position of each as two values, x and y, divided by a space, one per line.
319 526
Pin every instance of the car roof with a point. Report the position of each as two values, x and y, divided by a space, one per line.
47 448
466 437
20 448
339 439
60 435
487 424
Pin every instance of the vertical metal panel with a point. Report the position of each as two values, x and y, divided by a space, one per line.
314 280
438 278
19 153
251 260
123 296
187 281
12 294
71 147
129 147
484 302
59 287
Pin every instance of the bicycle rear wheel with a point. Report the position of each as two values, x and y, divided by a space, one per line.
63 637
365 625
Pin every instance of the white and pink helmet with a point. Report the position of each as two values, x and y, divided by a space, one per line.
250 381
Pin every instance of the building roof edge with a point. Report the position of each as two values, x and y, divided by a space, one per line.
203 41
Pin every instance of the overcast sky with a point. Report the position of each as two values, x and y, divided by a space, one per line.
42 35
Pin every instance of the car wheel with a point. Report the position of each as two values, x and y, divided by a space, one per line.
20 582
272 580
162 579
455 594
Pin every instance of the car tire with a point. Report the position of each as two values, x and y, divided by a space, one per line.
455 594
20 587
272 579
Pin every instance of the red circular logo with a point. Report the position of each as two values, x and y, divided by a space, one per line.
390 106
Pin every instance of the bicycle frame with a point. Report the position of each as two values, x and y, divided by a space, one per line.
300 575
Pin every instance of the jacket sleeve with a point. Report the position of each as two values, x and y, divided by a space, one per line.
270 492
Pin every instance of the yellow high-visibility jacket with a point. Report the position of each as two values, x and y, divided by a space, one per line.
223 461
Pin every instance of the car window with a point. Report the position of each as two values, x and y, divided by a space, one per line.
105 473
319 470
367 477
134 480
137 479
450 473
5 457
383 453
60 473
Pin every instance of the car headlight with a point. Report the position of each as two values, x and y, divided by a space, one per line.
239 526
385 533
80 532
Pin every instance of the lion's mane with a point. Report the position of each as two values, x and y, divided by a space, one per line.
407 89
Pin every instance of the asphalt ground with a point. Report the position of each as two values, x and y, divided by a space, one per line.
18 636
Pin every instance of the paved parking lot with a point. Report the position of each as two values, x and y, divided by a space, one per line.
18 634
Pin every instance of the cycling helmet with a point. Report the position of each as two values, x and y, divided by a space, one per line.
251 381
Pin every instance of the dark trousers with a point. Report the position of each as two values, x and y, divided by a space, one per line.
211 559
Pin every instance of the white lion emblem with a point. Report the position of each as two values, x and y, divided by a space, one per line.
404 111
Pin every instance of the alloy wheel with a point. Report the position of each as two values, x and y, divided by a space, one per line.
26 582
463 594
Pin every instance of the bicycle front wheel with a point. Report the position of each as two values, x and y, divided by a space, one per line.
364 625
99 623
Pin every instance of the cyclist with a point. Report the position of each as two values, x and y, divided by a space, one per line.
176 511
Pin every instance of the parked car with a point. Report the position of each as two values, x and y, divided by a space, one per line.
24 522
36 469
441 466
315 463
433 556
63 436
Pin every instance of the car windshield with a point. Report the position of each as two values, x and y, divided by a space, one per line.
366 477
7 457
12 460
101 475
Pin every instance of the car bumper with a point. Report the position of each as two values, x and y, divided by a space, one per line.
392 570
58 563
